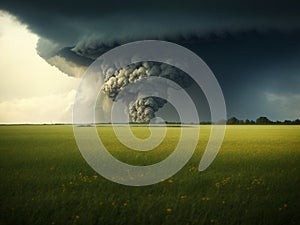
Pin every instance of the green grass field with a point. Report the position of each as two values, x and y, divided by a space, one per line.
253 180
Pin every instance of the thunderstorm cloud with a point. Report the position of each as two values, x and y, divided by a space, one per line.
253 47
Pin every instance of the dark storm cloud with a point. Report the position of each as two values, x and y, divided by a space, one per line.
252 46
251 66
93 27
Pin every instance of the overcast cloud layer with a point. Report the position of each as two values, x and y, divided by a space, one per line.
252 47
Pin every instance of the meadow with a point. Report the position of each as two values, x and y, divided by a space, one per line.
253 180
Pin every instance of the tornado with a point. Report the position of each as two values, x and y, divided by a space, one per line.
143 110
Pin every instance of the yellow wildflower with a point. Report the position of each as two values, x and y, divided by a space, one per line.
169 210
183 196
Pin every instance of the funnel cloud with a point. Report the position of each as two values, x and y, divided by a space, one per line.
143 109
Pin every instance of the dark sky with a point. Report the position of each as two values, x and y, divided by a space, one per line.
253 47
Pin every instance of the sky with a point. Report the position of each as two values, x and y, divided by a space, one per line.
31 90
252 47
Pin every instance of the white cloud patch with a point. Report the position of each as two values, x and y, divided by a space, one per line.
31 90
45 109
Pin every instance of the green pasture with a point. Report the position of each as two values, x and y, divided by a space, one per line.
253 180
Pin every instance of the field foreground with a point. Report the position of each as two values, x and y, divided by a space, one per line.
254 179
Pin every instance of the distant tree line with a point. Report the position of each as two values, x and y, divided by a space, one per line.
261 121
235 121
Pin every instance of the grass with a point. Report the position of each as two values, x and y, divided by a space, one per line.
253 180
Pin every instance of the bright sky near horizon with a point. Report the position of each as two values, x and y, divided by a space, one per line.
31 90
